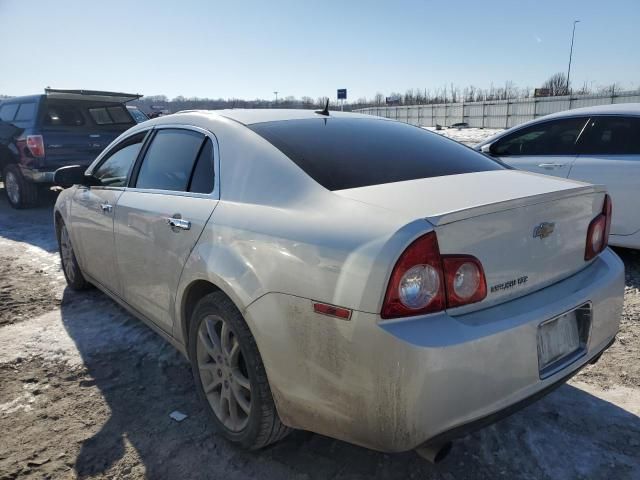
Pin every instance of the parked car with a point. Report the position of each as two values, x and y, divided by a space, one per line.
57 128
593 144
345 274
138 115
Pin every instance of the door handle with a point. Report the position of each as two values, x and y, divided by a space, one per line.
106 208
178 223
551 166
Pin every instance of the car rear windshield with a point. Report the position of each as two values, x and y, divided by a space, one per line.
341 153
110 115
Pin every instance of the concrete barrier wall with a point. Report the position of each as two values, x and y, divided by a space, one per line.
495 114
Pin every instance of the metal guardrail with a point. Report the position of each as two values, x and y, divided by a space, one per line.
496 113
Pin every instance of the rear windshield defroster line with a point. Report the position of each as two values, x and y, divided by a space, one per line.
342 153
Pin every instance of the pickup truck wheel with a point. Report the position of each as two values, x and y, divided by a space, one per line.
20 192
70 267
229 375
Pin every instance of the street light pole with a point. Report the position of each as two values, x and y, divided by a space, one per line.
571 54
276 93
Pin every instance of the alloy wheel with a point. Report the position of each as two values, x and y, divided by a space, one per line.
12 187
66 252
223 373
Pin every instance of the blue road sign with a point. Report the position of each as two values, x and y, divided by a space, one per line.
342 94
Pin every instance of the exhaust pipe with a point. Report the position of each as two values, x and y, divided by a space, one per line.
434 453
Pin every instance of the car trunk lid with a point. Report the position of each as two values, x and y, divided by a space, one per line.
527 230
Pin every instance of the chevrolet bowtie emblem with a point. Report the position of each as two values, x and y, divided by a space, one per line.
543 230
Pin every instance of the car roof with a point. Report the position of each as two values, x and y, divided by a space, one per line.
261 115
614 109
22 99
629 109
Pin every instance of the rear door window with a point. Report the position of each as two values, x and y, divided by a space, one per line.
169 160
25 115
203 174
341 153
612 135
8 112
114 171
556 137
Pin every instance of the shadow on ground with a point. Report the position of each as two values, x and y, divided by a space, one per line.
26 225
569 434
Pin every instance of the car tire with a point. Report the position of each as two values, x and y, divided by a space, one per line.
20 192
70 268
225 361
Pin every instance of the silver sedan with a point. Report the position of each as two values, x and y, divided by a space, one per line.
344 274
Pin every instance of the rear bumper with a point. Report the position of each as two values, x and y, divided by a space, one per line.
480 423
395 385
37 176
45 175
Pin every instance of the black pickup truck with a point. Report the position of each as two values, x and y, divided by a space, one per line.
41 133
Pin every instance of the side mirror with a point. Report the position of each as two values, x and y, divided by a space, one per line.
486 149
66 177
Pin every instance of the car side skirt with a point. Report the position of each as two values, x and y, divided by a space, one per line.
179 346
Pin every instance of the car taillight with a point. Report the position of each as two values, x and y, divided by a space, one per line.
598 231
423 281
464 280
35 144
607 210
416 284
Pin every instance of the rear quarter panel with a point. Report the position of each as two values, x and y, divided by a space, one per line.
277 230
339 252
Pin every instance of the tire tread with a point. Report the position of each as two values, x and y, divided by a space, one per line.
28 191
270 429
79 282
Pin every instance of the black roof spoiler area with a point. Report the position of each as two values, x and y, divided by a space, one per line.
96 95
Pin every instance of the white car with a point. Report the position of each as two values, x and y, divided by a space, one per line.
593 144
346 274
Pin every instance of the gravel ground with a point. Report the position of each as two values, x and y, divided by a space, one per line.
86 392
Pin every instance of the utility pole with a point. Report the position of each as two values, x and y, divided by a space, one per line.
571 54
276 93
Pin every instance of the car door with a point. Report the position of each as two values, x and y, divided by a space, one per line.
547 147
93 211
610 155
161 216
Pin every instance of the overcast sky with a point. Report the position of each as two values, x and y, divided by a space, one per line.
249 49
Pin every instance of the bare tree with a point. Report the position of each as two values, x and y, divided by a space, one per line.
610 89
557 84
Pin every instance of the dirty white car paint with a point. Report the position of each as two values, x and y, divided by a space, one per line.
310 270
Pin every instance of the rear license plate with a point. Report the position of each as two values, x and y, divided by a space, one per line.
557 339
